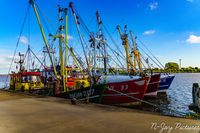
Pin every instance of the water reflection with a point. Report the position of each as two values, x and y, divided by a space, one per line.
4 81
180 94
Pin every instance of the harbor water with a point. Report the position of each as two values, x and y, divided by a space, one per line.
179 95
4 81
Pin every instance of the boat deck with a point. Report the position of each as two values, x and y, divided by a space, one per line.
22 113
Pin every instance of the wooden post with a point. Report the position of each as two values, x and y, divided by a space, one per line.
195 106
196 94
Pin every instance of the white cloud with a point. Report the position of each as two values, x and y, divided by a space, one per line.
69 36
23 40
153 5
149 32
180 41
193 39
190 0
5 60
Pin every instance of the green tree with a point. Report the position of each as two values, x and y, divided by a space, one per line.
172 66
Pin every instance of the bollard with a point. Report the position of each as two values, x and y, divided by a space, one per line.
195 106
195 94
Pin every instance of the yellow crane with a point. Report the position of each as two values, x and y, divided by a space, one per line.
32 2
61 38
125 43
136 54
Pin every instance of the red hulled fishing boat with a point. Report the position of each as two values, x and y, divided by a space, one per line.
123 89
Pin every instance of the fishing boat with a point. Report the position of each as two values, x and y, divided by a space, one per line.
123 89
131 65
165 78
165 82
111 90
24 80
101 89
159 82
153 85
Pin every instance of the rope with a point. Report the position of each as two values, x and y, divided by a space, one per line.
193 115
134 98
184 114
18 41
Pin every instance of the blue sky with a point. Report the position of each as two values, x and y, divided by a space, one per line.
169 28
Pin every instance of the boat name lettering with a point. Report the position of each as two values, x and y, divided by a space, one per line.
82 94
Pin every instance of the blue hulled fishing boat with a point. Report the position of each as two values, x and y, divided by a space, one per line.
165 82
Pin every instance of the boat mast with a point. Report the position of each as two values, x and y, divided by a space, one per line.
93 47
28 58
124 38
66 45
94 58
32 2
60 37
79 33
101 37
81 40
21 62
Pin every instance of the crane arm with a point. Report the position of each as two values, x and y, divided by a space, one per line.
119 30
137 56
124 38
133 41
32 2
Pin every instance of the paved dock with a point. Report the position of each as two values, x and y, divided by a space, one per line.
31 114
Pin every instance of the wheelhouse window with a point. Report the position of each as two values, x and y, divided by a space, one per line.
31 79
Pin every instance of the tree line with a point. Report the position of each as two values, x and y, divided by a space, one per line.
175 68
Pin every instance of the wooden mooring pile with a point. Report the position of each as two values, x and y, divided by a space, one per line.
195 106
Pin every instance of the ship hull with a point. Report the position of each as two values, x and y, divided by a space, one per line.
165 82
153 85
125 91
92 93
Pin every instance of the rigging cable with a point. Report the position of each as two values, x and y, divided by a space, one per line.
149 67
18 41
81 20
44 17
118 55
80 35
29 34
113 40
37 58
150 57
151 53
